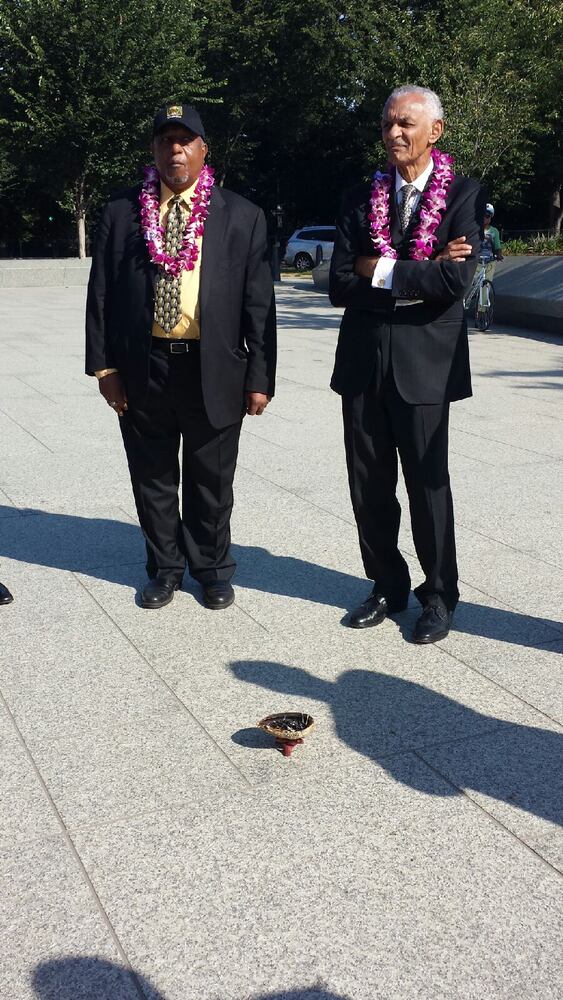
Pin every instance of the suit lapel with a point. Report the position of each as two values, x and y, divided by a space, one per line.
212 242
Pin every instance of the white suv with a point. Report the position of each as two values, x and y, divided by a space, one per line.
302 246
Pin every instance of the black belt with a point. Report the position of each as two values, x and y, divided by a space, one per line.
174 345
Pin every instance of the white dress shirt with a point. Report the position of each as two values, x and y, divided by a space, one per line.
383 274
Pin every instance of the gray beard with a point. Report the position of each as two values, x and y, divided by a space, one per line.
177 179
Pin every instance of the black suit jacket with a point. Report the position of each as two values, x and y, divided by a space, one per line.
237 312
428 342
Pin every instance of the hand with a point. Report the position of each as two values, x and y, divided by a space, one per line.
256 403
457 249
111 388
365 266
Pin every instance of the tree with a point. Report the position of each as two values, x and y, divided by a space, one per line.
79 82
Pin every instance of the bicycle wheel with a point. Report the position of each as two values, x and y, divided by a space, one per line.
489 296
484 306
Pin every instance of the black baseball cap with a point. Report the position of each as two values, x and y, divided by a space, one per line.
178 114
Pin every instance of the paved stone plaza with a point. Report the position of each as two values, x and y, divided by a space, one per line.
152 843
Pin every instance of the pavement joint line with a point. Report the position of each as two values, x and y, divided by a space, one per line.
11 499
164 682
261 437
507 545
302 385
252 618
504 604
25 430
501 687
530 451
553 868
471 458
284 489
175 808
253 789
403 548
66 836
278 416
38 391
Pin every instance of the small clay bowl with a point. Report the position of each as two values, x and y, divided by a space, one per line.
288 729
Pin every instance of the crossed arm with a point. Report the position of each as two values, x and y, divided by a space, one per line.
458 249
440 279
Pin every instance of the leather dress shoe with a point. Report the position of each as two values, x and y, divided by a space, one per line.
218 595
158 593
5 595
433 624
373 611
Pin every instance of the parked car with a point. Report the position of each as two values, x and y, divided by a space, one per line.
301 249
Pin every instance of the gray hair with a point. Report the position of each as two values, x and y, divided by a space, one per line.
432 101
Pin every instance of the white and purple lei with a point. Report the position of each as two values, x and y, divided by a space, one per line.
433 203
153 232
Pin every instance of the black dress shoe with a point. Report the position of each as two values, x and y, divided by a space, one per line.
433 624
5 595
158 593
218 595
374 611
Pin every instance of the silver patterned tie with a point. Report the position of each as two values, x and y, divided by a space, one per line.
405 209
167 311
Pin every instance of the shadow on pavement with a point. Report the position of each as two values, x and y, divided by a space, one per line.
114 551
382 717
85 978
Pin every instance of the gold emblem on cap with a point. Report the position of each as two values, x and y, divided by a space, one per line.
174 111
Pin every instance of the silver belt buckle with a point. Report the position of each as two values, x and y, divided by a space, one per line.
178 347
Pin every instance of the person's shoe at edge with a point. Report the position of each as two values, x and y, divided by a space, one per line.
5 595
158 593
218 595
374 610
434 623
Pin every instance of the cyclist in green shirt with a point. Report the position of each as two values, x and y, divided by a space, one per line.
491 247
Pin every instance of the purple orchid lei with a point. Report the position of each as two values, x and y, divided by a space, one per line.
153 232
433 203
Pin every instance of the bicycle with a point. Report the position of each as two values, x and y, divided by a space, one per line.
482 293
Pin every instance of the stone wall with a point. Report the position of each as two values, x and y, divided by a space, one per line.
529 291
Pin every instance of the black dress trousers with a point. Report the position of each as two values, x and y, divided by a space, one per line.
171 414
378 426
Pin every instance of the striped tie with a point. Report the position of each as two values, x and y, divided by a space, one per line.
405 210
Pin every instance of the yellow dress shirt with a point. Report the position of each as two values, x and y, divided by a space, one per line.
188 327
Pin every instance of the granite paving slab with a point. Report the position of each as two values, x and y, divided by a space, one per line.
245 897
48 912
412 846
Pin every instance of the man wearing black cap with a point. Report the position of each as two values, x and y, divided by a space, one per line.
180 332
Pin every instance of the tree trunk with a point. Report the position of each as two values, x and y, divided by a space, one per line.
81 226
80 216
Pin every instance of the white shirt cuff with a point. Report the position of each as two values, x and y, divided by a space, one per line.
383 274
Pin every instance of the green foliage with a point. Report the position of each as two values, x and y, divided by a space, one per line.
541 244
79 81
293 94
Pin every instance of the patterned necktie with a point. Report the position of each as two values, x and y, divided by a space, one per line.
167 311
405 210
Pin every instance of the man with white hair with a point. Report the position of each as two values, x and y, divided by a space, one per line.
404 256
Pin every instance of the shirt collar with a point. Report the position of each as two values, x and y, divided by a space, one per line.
166 194
421 180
